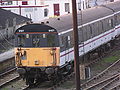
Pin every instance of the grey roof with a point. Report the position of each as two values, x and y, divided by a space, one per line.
88 15
6 55
8 17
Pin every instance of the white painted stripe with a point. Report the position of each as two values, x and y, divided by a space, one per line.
89 23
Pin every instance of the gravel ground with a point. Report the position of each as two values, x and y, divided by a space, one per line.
95 69
15 85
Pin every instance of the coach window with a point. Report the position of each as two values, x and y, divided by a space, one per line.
69 40
100 26
105 25
10 2
97 27
116 22
91 33
62 41
118 19
93 30
88 32
110 21
84 33
80 34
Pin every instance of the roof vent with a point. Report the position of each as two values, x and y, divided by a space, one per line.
42 22
58 18
47 21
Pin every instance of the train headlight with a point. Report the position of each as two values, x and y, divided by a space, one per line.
36 62
51 52
49 70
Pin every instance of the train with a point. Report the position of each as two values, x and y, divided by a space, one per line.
45 51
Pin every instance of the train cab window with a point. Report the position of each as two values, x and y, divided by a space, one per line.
45 40
36 40
21 40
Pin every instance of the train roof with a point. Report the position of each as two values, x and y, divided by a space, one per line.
88 15
35 28
6 55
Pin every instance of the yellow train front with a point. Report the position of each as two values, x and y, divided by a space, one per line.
37 52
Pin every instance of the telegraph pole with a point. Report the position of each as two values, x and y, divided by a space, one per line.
76 46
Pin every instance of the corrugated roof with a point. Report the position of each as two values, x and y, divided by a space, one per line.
8 17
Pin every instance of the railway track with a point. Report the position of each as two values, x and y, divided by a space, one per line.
49 86
109 85
15 83
7 72
8 77
85 85
116 87
104 83
90 64
106 74
11 80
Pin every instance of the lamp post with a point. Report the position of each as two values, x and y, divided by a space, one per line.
76 46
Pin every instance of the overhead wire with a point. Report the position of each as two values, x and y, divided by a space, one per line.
6 40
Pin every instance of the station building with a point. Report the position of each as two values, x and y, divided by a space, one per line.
9 22
38 10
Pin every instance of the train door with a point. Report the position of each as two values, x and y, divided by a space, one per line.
56 10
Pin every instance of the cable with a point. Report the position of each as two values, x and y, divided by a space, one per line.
108 8
3 46
6 40
81 24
